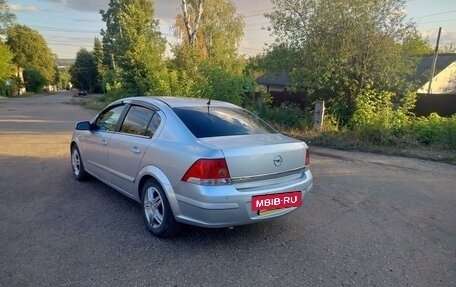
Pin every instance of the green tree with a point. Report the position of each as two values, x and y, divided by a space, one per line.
84 71
415 45
6 18
31 51
6 66
216 35
344 47
133 46
62 78
98 56
219 84
34 81
6 69
279 59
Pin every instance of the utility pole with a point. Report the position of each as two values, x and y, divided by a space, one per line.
434 61
319 115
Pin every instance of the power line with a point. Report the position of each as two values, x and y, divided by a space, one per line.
247 14
71 45
254 15
56 29
259 23
252 49
436 14
437 21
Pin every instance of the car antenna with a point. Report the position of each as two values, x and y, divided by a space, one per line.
209 103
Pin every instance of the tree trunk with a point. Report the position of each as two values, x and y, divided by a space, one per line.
192 28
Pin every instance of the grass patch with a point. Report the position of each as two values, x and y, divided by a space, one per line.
352 141
93 101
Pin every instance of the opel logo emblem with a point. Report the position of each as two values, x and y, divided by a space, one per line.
278 161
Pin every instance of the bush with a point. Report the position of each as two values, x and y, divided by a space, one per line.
435 130
378 121
290 116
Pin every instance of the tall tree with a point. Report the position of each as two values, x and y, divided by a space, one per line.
112 32
31 51
345 46
132 44
6 63
84 71
214 36
6 18
98 57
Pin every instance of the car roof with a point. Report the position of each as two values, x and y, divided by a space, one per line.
180 102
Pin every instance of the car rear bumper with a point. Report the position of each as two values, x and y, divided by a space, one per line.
225 206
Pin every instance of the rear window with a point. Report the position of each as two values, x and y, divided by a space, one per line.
219 121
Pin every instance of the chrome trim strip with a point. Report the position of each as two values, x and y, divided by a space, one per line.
243 179
98 165
110 170
121 175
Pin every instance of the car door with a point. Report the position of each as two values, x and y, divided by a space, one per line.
128 146
97 143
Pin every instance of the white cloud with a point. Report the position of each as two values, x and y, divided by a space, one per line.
82 5
447 37
23 8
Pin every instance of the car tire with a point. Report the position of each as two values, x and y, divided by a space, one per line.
76 164
156 211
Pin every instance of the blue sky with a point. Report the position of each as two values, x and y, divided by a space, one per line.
68 25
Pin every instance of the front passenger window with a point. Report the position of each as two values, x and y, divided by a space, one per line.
107 120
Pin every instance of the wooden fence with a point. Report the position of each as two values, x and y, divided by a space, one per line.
444 105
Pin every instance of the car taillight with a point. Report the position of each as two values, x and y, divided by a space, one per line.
307 159
208 172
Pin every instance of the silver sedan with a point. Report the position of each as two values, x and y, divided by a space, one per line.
192 161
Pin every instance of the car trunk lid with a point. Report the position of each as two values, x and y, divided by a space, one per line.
270 158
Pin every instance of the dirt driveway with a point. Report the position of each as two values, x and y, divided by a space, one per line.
371 221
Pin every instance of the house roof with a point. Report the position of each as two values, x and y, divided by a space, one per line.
424 67
277 79
419 77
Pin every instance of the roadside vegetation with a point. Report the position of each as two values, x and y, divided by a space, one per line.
391 132
354 55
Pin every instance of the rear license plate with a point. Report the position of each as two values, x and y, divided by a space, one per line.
276 201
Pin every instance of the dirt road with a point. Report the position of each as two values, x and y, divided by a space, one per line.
371 221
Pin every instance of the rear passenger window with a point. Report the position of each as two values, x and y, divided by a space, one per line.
137 121
153 126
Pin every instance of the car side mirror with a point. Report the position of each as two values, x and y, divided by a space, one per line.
84 126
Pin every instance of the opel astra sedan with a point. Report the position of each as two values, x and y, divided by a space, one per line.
192 161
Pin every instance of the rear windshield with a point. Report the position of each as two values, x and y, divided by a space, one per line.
217 121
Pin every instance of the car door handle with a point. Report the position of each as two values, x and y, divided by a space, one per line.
135 150
104 142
